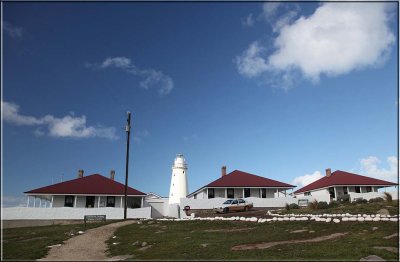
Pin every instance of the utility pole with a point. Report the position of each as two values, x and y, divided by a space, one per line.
128 133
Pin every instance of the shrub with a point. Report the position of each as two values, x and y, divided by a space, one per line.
287 207
313 205
376 199
388 197
322 205
334 204
360 201
344 198
293 206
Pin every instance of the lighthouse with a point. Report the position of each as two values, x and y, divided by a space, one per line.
179 184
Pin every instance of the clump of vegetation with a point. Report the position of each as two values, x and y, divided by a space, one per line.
313 205
388 197
293 206
322 205
344 199
360 201
334 204
376 199
287 207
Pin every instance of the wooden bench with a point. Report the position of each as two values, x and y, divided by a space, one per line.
91 218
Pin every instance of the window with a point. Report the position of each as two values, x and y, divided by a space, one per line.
69 201
111 201
89 201
332 192
195 196
345 190
307 193
211 193
368 188
234 202
241 201
230 193
358 189
247 192
263 193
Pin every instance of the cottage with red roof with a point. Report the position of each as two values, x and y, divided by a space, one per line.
93 191
340 184
239 184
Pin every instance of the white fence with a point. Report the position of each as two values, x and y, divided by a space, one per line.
368 196
257 202
28 213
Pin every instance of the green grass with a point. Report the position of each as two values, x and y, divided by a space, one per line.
30 243
183 240
364 208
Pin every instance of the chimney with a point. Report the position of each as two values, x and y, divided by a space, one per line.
223 171
328 172
80 173
112 174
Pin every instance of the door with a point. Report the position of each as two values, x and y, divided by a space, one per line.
89 201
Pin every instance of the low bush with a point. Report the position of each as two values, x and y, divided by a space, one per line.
360 201
287 207
344 198
313 205
322 205
334 204
376 199
388 197
293 206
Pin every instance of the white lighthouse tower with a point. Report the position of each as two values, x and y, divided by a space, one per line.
179 184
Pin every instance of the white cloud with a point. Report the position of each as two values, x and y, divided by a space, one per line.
336 39
152 77
248 21
270 9
307 179
67 126
370 167
251 63
12 30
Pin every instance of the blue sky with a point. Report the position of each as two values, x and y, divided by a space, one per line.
281 90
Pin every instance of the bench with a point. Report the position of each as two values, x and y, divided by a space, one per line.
88 218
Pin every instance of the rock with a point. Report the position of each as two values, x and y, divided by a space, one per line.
204 245
253 219
57 245
383 211
328 220
144 248
299 231
335 220
311 231
345 219
384 219
374 228
292 219
80 232
144 244
135 243
376 219
360 219
114 237
372 258
394 219
115 243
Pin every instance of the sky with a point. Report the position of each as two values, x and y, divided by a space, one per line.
280 90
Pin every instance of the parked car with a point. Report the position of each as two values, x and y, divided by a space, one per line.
236 204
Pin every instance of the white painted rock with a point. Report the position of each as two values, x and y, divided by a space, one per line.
275 218
394 219
384 219
368 219
360 219
328 220
376 219
80 232
253 219
242 219
292 219
352 219
345 219
280 219
286 219
335 220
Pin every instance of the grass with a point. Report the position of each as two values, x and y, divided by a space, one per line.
30 243
363 208
183 240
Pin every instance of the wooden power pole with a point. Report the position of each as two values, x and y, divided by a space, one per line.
128 133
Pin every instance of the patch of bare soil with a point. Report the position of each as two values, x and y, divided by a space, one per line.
230 230
391 236
271 244
89 246
390 249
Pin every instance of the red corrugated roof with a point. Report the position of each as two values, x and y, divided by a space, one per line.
344 178
242 179
88 185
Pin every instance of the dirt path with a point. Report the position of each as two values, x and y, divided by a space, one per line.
88 246
271 244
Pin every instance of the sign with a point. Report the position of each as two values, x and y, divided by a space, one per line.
303 203
94 218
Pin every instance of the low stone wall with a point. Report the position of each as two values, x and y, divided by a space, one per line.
67 213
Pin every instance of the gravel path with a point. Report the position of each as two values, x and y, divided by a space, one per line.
89 246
